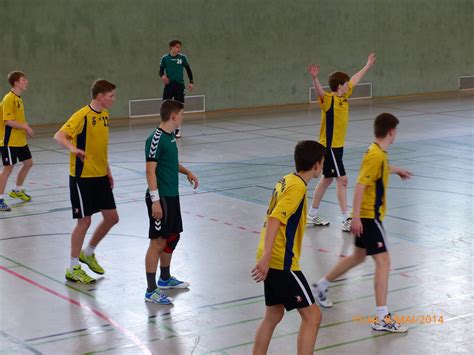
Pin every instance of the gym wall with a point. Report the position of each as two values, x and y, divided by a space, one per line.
243 53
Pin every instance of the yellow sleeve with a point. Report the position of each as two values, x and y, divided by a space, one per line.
370 169
325 102
288 203
349 92
74 125
8 108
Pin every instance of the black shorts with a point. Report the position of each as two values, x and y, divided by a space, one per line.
170 223
12 155
372 238
288 288
174 91
90 195
333 165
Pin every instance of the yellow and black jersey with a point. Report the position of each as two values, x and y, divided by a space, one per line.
288 205
12 110
334 119
89 131
374 174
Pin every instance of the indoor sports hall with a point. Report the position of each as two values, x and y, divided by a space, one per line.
252 102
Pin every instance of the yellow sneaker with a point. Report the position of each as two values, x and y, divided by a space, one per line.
91 261
22 195
78 275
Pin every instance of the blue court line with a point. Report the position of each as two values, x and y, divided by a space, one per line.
67 333
20 342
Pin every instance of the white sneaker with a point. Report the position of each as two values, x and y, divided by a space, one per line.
320 296
346 225
388 324
317 220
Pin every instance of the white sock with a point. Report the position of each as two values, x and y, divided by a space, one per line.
88 250
313 212
74 263
323 284
382 311
2 196
18 188
344 215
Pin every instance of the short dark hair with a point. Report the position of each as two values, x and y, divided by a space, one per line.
14 76
308 153
101 86
383 123
174 42
168 107
337 78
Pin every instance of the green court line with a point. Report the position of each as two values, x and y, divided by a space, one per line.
48 277
353 341
128 346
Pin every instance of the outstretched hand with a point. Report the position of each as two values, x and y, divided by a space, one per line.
313 70
404 174
371 60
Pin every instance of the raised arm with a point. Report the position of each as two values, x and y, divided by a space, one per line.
358 76
313 70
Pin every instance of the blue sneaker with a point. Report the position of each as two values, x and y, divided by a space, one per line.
157 297
172 282
4 206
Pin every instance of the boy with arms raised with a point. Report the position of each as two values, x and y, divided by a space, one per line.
334 122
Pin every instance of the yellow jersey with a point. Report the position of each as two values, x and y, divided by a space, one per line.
288 205
89 131
374 174
11 109
334 119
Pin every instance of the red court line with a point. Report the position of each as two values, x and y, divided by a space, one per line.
125 331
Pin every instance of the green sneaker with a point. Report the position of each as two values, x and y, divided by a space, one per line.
91 261
78 275
22 195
